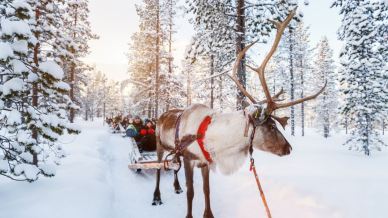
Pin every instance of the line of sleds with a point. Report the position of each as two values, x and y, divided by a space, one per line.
138 158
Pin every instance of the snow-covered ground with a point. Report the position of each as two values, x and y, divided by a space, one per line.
319 179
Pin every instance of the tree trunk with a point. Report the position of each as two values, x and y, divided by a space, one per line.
366 142
292 89
72 73
86 114
91 114
325 114
35 89
157 59
149 104
301 96
188 88
325 131
240 45
212 81
170 59
104 111
274 87
221 97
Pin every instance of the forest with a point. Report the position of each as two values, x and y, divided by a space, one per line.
58 109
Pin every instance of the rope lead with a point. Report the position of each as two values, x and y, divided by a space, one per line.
253 168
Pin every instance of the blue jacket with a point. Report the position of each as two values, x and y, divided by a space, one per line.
131 131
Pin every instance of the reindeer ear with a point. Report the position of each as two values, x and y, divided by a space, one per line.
281 120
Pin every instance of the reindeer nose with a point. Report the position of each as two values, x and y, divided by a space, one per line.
287 150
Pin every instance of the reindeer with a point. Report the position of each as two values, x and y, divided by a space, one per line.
225 144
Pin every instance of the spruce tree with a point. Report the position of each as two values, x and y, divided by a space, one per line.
327 102
34 95
143 56
157 85
75 33
363 72
16 41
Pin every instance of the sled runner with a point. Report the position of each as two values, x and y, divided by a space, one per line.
146 165
147 160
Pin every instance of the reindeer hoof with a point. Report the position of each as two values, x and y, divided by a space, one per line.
189 216
178 191
157 202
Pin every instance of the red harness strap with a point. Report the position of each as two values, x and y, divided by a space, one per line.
201 136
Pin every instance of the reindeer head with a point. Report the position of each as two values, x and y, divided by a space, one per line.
267 136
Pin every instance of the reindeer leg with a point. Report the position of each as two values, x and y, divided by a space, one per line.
189 168
157 200
177 186
206 190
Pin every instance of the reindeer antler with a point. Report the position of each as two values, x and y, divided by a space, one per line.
239 85
280 27
270 100
234 72
275 97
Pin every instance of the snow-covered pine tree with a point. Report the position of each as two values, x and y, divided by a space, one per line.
327 102
77 33
93 95
144 57
278 75
49 92
33 111
363 75
170 82
151 66
101 97
15 36
167 24
141 69
214 50
195 70
303 70
381 13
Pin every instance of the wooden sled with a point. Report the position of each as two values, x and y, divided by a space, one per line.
147 160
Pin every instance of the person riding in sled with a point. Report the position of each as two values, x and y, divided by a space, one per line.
131 130
138 124
125 122
109 121
116 123
148 140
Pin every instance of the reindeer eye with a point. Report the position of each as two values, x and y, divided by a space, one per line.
273 126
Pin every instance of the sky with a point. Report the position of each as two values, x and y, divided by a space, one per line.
116 21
